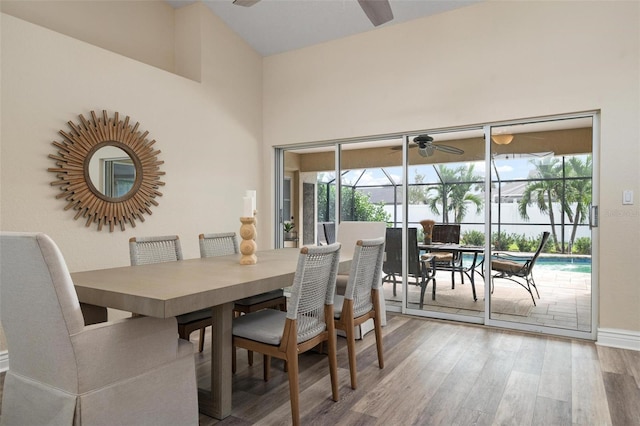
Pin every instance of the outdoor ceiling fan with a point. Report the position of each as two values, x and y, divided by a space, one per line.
426 147
378 11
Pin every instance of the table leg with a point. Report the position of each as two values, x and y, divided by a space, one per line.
217 402
471 276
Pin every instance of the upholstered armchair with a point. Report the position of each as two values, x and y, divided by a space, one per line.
131 371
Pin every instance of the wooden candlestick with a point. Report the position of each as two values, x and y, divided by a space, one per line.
248 245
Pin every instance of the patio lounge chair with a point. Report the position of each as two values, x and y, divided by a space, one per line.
510 267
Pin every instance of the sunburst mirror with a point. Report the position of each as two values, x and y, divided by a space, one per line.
107 170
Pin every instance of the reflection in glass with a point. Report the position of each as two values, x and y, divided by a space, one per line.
112 172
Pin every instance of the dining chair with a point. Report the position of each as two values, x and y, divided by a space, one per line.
128 372
307 322
225 243
146 250
420 268
511 267
361 300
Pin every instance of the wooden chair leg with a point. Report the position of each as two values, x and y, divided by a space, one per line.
378 330
351 349
333 362
201 342
294 390
266 367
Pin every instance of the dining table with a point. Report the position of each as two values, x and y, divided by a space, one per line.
469 270
169 289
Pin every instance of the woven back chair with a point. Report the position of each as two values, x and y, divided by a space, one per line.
226 243
146 250
219 244
361 298
307 322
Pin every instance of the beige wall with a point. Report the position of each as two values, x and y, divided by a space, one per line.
202 129
488 62
142 30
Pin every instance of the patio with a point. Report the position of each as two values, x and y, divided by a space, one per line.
565 299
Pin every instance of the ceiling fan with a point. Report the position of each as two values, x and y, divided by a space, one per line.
426 147
378 11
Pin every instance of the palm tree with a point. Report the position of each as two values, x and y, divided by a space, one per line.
454 194
579 191
544 192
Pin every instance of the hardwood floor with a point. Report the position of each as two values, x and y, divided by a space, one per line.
445 373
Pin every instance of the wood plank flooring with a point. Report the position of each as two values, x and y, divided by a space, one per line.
446 373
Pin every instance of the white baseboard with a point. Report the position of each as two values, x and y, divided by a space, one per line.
618 338
4 361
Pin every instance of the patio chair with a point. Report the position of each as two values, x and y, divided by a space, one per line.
421 269
307 322
511 267
329 232
225 243
131 371
361 299
147 250
448 234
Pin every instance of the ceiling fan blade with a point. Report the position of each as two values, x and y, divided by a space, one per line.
449 149
245 3
378 11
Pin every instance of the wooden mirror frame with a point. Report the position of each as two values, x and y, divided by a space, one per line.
72 160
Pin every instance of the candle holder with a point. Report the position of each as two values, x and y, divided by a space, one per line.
248 245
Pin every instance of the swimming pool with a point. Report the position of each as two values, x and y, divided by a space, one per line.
565 264
555 263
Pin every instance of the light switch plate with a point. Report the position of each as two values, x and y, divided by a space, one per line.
627 196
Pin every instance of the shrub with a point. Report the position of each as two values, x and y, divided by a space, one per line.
473 238
501 241
582 245
523 243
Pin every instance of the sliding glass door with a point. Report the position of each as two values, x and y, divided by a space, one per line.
456 227
542 192
445 206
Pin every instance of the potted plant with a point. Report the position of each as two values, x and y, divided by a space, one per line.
288 230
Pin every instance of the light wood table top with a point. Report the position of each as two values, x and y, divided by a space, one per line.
172 288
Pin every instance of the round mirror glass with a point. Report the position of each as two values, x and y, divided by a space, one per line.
112 172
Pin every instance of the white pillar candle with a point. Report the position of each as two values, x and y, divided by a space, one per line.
248 207
251 193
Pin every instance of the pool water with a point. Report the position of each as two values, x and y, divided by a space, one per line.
555 263
569 264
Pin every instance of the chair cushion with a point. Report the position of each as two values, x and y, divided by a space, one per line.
443 257
194 316
264 326
260 298
509 266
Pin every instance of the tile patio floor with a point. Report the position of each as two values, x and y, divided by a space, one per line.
565 299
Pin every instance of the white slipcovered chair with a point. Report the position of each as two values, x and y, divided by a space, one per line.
130 371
